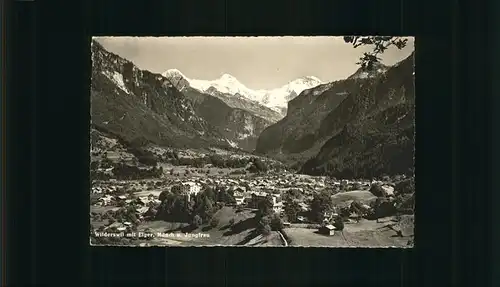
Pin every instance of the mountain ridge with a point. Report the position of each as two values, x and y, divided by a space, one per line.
275 99
144 107
353 112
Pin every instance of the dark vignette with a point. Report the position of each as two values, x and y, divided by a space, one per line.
50 147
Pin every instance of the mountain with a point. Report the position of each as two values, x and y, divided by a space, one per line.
298 133
238 120
358 127
364 73
227 85
236 100
137 105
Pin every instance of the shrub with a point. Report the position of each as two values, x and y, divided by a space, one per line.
197 221
339 224
276 223
377 190
264 226
214 222
94 165
266 230
405 186
356 186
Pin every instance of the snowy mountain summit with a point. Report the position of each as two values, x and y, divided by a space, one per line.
276 99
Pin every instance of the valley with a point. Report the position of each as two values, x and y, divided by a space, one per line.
177 161
181 200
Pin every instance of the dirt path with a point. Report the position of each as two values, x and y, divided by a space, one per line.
283 238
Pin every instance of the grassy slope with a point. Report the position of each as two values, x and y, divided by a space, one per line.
363 234
241 234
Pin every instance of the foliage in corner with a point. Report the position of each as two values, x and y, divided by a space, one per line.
380 43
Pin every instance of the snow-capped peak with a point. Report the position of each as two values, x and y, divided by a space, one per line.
228 80
301 84
307 79
227 77
276 99
173 72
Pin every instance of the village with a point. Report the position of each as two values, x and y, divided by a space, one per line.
291 196
229 198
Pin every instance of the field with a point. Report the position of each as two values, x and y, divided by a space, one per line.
242 233
363 196
181 170
366 233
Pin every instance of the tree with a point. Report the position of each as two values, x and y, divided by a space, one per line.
294 193
214 222
231 222
197 221
106 163
276 223
264 226
291 209
380 45
321 203
377 190
206 209
266 230
163 195
339 224
356 186
176 189
171 171
209 192
94 165
224 196
265 206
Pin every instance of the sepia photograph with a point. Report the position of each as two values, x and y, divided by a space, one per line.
252 141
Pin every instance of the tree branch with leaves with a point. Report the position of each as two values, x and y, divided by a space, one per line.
380 45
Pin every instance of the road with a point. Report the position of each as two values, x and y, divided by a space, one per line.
283 238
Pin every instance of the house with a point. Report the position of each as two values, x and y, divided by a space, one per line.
239 189
240 199
301 218
143 200
96 189
106 200
190 188
142 210
388 190
278 207
327 230
115 225
303 206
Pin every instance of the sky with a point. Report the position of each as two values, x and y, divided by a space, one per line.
257 62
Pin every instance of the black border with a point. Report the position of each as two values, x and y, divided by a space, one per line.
50 146
495 142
